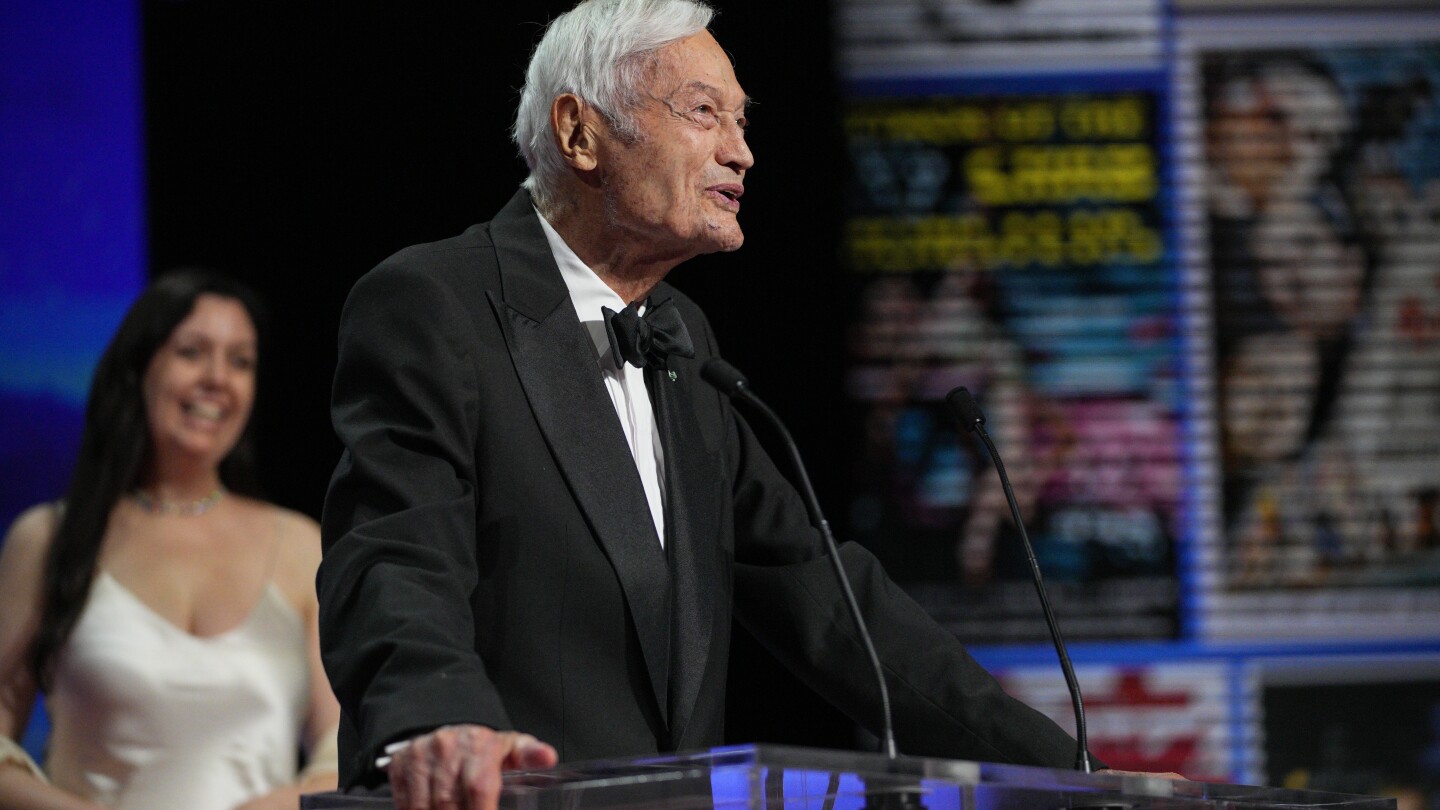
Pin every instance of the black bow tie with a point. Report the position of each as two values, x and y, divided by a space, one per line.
647 340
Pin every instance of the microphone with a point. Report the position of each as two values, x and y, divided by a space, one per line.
968 414
733 384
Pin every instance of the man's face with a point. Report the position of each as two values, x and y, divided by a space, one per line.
676 190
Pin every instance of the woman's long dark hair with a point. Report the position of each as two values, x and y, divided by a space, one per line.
115 447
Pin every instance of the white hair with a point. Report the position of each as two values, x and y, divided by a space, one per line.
597 51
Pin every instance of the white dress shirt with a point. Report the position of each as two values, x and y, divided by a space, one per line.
624 382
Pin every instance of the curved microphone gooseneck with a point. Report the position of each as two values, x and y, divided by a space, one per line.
733 384
963 406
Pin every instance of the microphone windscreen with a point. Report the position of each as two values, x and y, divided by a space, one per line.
967 412
724 376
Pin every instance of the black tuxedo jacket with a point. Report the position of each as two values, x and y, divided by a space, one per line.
490 558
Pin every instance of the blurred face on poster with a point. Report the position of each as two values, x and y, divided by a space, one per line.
1269 390
1248 144
1307 274
1315 117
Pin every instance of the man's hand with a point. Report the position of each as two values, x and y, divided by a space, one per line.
458 767
1158 775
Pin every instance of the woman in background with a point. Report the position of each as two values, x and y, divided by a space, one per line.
167 614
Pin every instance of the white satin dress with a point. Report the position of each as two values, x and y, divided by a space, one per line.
147 716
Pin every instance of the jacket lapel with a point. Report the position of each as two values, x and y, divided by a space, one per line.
692 516
556 363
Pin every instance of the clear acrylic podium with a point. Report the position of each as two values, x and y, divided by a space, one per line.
763 777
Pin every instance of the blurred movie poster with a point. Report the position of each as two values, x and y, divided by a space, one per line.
1017 245
924 36
1165 717
1322 204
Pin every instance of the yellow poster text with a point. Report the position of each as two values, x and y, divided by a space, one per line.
1017 239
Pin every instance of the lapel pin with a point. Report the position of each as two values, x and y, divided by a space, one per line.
673 376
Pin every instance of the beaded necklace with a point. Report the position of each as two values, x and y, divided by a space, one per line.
160 506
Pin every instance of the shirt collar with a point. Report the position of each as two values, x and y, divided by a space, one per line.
588 293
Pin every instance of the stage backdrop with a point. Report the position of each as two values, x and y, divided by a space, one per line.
1187 262
72 236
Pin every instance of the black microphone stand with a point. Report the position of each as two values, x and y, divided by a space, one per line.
970 417
732 383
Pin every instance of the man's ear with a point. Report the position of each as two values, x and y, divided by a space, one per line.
573 123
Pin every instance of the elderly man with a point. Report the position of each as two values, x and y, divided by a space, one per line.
544 521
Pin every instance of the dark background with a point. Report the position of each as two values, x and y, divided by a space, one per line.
297 145
1374 736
